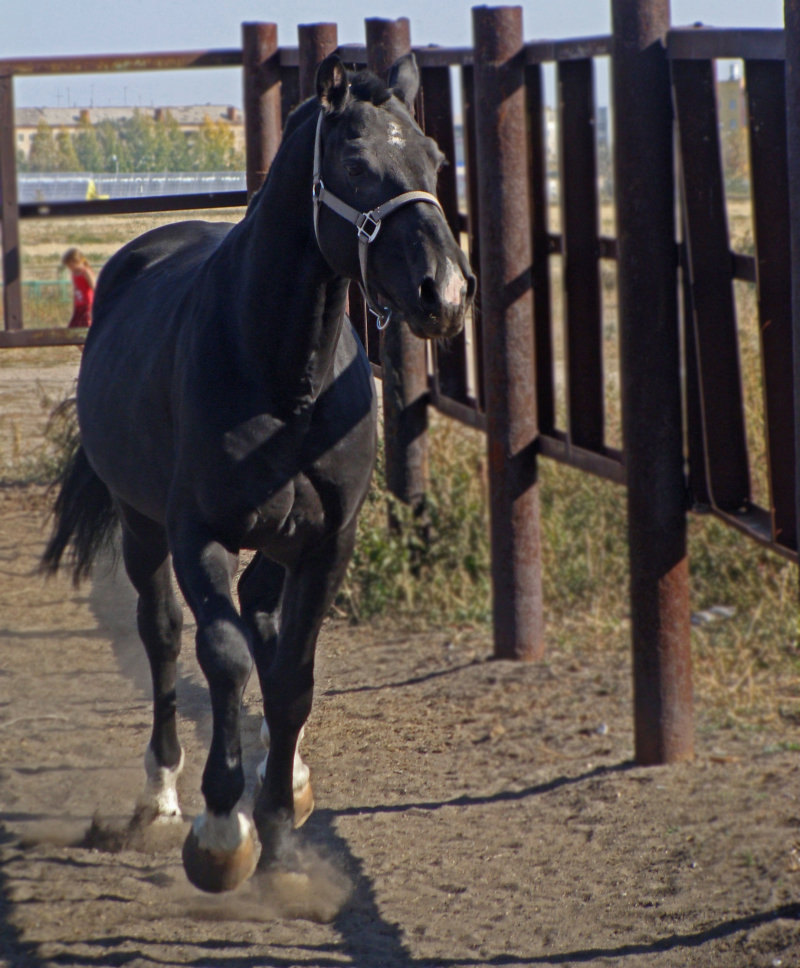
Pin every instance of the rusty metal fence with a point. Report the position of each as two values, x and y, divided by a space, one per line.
534 379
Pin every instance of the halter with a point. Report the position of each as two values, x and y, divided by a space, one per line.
367 224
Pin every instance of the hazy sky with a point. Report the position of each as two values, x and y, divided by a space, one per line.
41 27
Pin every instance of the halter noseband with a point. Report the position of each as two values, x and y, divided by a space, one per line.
367 224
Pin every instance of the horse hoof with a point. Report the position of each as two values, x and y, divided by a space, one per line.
215 863
303 805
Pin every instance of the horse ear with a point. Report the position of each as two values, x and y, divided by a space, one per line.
404 78
332 84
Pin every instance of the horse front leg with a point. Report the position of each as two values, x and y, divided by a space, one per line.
288 689
220 850
260 597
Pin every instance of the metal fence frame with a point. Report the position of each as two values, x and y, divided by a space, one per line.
653 67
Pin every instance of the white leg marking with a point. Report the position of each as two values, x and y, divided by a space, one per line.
222 832
160 794
300 773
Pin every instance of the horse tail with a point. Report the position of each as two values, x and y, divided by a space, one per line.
84 519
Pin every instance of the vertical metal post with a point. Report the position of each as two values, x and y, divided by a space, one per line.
315 42
262 100
9 213
508 341
650 359
791 17
405 375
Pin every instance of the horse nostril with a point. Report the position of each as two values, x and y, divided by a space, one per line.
472 285
429 296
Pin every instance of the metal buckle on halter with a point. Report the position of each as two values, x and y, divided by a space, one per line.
317 189
365 219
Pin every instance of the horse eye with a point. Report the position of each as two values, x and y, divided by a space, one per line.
355 168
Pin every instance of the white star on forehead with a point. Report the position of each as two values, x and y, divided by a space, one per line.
396 134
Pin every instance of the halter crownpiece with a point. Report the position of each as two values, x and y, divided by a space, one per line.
367 224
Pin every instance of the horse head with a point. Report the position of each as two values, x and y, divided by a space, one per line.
376 215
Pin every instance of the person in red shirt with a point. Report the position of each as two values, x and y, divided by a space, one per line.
83 283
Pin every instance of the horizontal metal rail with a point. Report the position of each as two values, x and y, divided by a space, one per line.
133 206
710 43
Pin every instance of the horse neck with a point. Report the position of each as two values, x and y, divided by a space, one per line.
290 303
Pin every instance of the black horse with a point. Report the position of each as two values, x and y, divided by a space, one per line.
225 403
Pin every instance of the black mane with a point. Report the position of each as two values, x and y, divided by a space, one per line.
366 86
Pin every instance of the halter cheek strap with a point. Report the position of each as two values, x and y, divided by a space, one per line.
367 224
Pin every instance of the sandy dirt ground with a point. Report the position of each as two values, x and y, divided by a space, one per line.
469 812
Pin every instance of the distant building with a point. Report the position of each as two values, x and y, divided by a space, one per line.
731 106
189 120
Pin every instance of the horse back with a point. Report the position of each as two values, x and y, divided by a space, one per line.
164 262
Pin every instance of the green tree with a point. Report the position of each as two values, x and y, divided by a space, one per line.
140 134
67 158
212 149
114 150
88 149
174 145
44 150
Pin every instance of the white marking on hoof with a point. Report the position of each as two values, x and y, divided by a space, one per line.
300 772
160 794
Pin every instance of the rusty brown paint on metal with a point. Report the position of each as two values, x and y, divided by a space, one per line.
710 43
42 337
507 308
262 100
119 63
650 362
404 370
766 100
133 206
436 118
791 16
584 343
468 110
9 215
711 289
315 42
540 242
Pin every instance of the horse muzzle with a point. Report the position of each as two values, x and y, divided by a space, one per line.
442 303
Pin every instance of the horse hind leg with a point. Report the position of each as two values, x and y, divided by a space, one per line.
159 619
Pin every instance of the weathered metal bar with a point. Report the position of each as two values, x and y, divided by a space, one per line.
585 391
791 16
315 42
699 491
650 363
540 244
133 206
42 337
711 289
708 43
469 132
9 225
507 306
121 63
262 100
766 100
405 377
577 48
608 464
436 118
